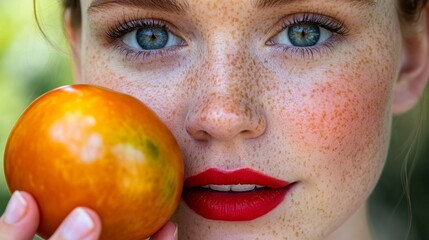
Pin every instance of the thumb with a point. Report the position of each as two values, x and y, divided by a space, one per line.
168 232
21 218
81 223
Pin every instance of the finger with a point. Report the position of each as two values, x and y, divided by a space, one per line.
168 232
20 219
81 223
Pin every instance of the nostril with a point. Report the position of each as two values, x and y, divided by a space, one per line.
198 134
246 133
256 127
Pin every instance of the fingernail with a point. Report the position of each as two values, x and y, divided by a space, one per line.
78 225
176 232
16 208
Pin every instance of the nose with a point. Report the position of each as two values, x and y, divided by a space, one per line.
224 118
226 105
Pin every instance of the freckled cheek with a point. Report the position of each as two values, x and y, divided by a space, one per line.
343 117
162 91
95 67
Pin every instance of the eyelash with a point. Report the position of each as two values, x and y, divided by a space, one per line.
338 29
116 33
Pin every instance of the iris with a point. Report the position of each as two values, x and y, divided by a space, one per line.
151 38
304 35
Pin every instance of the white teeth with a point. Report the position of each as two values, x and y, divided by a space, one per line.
233 188
220 188
242 187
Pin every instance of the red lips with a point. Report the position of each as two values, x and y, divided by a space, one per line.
230 205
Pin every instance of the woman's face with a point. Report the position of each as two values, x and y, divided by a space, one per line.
299 91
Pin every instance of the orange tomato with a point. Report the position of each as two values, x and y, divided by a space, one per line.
83 145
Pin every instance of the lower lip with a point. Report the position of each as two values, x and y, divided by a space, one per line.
234 206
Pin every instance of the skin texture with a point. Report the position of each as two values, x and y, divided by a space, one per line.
234 98
321 120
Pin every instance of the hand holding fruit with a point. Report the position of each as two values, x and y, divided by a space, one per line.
21 221
87 146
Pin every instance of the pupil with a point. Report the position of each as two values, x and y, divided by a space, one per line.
152 38
304 35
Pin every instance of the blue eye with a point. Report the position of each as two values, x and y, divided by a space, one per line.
302 35
151 38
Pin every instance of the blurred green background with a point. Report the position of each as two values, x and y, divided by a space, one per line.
30 66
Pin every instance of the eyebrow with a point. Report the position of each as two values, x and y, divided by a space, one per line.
180 6
276 3
175 6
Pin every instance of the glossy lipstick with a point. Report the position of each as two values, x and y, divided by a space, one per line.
232 205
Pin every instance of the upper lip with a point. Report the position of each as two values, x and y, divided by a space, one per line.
232 177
